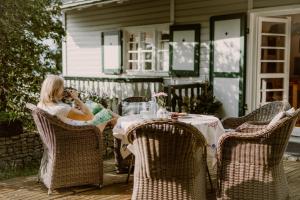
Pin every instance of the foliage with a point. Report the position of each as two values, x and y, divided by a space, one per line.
25 57
206 103
28 170
161 99
103 100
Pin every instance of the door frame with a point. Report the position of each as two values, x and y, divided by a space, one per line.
242 73
285 73
251 74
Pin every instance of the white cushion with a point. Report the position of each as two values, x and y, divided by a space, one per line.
281 115
276 118
290 112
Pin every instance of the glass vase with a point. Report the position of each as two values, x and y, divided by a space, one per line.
162 113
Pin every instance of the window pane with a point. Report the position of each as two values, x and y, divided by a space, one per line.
147 56
272 54
146 46
272 96
271 83
146 40
273 27
133 56
148 65
133 46
272 67
272 41
133 37
133 66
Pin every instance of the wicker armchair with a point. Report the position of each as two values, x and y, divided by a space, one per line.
250 164
123 165
72 154
170 161
262 114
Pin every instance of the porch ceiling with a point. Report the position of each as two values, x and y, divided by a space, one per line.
77 4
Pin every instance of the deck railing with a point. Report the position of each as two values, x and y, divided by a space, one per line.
116 89
183 97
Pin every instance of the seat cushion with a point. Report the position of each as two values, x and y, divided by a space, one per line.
280 115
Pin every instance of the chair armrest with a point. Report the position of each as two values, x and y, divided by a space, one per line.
251 126
232 122
242 145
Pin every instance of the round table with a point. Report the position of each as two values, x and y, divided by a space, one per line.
210 126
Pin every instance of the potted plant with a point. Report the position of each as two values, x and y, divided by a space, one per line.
206 103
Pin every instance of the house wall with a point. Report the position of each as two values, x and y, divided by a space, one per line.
83 46
84 28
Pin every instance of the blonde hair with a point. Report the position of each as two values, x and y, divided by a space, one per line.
50 89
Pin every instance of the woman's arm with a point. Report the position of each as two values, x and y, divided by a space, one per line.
83 114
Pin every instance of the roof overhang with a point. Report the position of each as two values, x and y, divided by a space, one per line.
87 3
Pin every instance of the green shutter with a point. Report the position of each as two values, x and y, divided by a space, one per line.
241 74
185 50
112 52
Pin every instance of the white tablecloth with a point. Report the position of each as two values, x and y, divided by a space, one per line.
209 126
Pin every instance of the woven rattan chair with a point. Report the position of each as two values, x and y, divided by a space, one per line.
262 114
72 154
124 165
170 161
250 163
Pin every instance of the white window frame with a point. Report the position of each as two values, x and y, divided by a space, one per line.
285 74
154 29
251 89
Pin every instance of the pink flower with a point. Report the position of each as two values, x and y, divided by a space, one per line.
160 94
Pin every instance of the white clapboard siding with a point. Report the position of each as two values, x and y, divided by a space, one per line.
268 3
83 54
84 27
200 11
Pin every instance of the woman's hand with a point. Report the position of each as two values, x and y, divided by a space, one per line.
73 94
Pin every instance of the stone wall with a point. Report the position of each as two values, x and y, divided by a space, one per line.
108 144
25 149
19 151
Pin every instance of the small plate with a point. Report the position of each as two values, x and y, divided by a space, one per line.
185 117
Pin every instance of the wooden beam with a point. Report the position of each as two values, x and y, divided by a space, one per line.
172 12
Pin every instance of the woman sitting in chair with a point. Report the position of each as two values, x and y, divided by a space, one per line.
51 96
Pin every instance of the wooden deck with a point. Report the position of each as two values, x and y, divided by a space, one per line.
115 188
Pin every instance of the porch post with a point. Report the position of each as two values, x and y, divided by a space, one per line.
172 11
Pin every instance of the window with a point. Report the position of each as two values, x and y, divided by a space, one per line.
147 48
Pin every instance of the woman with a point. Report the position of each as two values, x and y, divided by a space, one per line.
50 100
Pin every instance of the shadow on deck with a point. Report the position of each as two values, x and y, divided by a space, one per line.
114 187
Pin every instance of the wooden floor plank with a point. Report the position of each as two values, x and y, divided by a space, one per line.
115 188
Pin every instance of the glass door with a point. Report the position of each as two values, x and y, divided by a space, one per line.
273 60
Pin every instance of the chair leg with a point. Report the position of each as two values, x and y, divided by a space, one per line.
49 191
129 170
209 178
